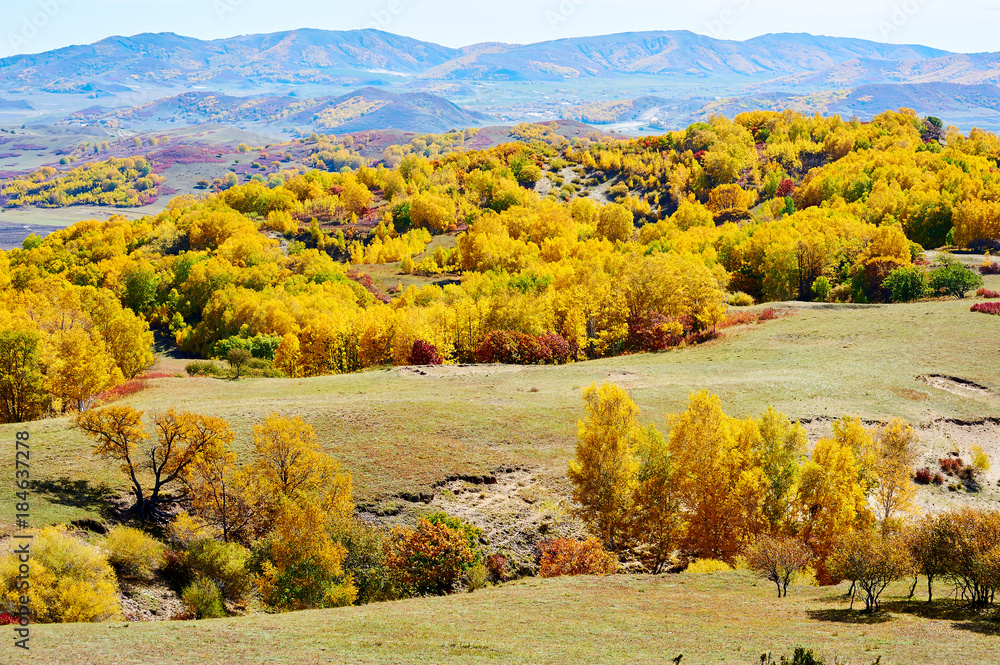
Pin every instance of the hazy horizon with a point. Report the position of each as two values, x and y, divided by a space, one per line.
45 25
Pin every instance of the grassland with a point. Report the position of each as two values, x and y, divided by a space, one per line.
718 618
401 430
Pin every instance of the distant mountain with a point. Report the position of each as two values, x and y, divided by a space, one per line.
318 56
364 109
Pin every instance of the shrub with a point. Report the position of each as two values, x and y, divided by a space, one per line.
71 581
515 348
980 460
768 314
365 561
237 358
952 279
840 293
938 479
923 476
476 578
741 299
498 568
987 308
428 560
989 268
203 599
653 331
821 288
872 561
563 556
202 368
424 353
986 293
224 564
133 553
778 559
554 349
703 566
951 464
905 284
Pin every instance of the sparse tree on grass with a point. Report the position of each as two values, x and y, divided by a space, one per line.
894 454
237 358
872 561
778 559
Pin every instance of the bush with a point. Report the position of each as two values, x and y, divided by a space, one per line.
424 353
365 560
653 331
202 368
498 568
428 560
987 293
986 307
71 581
703 566
476 578
224 564
922 477
989 268
237 358
133 553
514 348
203 599
905 284
740 299
952 279
563 556
821 288
951 464
872 561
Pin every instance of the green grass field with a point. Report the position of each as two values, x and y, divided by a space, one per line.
719 618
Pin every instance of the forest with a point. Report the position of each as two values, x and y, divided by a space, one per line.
676 232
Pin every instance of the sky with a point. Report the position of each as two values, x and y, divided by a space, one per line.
32 26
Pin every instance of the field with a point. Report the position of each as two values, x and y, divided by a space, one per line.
717 618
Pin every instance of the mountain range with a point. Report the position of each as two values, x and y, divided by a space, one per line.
307 76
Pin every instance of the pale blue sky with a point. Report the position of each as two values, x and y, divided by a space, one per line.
28 26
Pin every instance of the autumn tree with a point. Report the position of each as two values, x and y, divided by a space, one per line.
657 524
429 559
237 359
615 222
777 559
893 455
929 540
782 448
604 471
181 439
717 476
22 389
872 561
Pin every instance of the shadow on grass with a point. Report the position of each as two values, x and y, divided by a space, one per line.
963 617
76 493
848 616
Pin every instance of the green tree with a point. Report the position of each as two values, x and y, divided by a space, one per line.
952 278
905 284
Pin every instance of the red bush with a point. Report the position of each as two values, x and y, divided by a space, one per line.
951 464
424 353
989 268
514 348
986 293
938 479
987 307
7 619
768 314
923 476
497 567
651 332
785 188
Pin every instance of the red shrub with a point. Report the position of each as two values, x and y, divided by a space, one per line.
738 319
514 348
424 353
923 476
7 619
562 556
938 479
951 464
989 268
785 188
986 293
987 307
122 390
554 349
496 566
768 314
653 332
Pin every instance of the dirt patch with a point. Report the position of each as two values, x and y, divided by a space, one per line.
912 395
150 602
446 371
955 385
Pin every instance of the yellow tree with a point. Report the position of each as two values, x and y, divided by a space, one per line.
658 522
287 356
604 470
782 448
228 497
289 461
717 476
615 222
894 454
181 440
